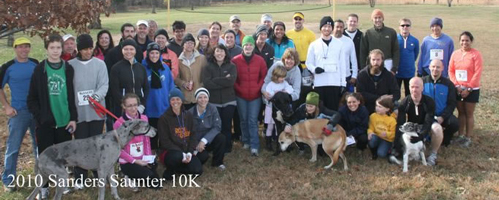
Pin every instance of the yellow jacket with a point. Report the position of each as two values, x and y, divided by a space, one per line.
382 123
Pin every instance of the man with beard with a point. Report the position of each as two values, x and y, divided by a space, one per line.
114 56
324 60
375 80
382 38
348 54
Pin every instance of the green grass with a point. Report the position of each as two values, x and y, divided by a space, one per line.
461 173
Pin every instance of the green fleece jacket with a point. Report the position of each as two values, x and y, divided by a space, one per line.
384 39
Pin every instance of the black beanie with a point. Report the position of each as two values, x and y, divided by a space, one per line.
129 42
161 32
152 46
84 41
188 37
326 20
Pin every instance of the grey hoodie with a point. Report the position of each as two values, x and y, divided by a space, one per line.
293 77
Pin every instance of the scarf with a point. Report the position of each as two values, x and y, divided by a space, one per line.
155 76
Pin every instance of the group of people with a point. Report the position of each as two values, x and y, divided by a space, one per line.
195 91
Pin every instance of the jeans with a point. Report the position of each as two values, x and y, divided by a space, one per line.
248 114
18 125
382 145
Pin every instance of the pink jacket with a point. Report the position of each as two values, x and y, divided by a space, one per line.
137 147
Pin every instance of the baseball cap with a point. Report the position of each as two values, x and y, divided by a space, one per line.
142 22
21 40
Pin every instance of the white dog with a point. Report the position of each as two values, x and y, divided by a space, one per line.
412 151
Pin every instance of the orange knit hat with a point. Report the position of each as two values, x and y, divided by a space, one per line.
377 12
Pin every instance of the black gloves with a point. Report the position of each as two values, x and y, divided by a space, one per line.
318 70
416 139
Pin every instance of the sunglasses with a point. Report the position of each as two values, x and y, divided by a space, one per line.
405 25
298 19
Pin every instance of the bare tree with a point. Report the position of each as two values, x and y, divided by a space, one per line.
449 2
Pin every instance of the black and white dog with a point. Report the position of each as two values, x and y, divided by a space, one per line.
412 151
281 111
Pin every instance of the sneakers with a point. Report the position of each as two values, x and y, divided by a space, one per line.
78 186
459 140
8 189
44 194
466 142
246 146
131 184
254 152
431 160
222 167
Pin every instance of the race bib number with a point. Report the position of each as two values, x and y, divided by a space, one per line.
350 140
388 64
83 97
462 75
136 149
330 66
437 54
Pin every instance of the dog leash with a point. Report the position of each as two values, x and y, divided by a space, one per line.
99 109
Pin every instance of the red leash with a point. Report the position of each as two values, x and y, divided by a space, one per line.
99 109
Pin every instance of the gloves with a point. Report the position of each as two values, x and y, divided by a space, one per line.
141 109
96 97
416 139
319 70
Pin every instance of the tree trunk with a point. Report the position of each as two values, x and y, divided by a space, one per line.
96 24
449 2
372 3
153 4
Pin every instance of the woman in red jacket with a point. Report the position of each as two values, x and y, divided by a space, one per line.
465 70
251 71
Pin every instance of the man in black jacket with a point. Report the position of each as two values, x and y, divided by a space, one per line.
375 81
420 109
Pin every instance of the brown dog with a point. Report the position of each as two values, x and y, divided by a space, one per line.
311 132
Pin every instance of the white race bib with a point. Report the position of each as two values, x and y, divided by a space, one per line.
350 140
137 149
388 64
83 97
436 54
330 66
462 75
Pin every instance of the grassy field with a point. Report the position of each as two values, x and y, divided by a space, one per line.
460 174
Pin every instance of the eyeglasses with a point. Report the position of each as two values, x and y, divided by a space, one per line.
405 25
131 105
298 19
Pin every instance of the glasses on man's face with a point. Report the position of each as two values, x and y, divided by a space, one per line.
131 105
298 19
405 25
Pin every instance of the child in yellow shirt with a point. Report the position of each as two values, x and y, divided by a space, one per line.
381 131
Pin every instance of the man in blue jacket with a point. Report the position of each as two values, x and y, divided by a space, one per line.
443 92
409 50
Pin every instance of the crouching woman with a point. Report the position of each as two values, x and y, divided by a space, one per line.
177 139
132 158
